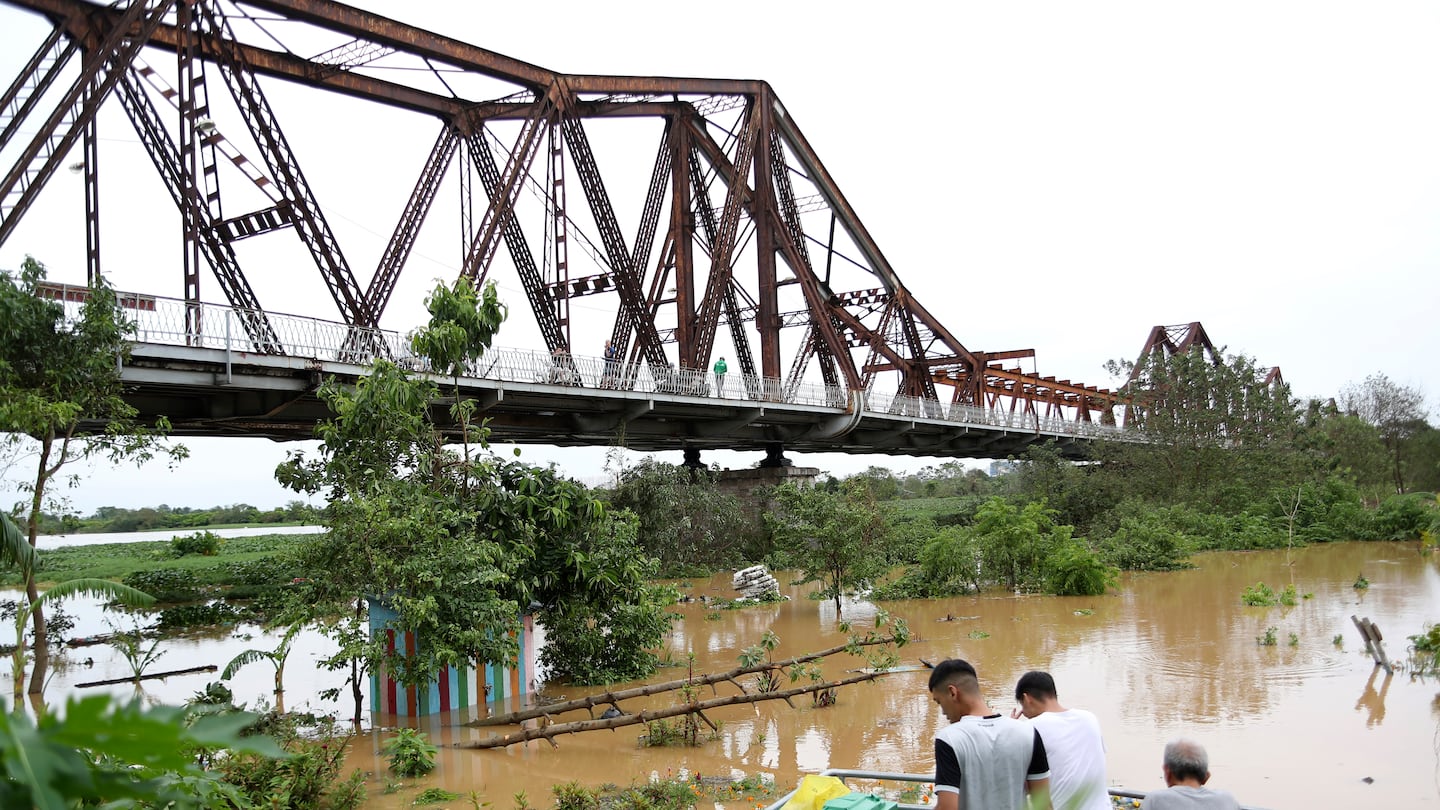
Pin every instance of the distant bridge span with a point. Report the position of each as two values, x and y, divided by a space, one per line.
216 386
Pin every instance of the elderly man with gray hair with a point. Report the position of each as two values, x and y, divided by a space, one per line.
1187 769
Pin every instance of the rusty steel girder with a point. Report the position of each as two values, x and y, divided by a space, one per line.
729 206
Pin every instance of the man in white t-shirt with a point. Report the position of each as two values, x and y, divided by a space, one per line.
1072 744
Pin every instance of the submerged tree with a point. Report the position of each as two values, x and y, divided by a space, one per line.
458 544
832 537
60 398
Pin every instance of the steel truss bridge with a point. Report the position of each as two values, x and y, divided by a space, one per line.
217 386
743 245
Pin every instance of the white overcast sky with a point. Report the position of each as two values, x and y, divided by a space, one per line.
1057 176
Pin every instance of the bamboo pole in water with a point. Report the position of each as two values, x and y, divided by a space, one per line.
549 731
613 698
113 681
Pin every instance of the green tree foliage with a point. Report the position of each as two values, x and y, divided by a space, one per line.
1022 548
100 751
1217 432
459 545
830 536
1145 540
1078 494
685 521
1348 446
1396 411
951 560
60 396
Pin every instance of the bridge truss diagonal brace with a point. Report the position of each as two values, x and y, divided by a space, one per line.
309 220
627 280
723 244
417 208
507 185
165 154
740 192
515 243
101 68
676 249
38 76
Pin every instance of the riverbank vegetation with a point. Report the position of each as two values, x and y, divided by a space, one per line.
117 519
1230 462
59 378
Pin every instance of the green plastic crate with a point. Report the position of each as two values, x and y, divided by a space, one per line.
859 801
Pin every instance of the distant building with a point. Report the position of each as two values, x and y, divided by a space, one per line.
1003 467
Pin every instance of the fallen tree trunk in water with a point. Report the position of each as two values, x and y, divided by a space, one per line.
613 698
113 681
551 730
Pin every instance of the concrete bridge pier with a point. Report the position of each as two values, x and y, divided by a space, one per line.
775 456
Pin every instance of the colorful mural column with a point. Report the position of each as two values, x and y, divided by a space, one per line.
454 687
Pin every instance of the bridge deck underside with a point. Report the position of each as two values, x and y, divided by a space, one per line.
207 392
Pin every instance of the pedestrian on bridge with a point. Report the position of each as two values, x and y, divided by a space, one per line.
612 364
720 369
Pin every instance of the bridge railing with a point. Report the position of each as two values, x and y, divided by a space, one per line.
168 321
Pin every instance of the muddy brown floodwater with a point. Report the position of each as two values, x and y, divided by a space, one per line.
1308 724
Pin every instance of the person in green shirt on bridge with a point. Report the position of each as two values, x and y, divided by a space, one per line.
720 369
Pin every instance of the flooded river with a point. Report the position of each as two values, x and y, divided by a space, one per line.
1308 724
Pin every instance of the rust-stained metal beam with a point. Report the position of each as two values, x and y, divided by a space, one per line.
502 199
422 197
38 75
758 194
73 16
663 85
409 39
627 279
196 217
520 253
682 236
100 69
722 248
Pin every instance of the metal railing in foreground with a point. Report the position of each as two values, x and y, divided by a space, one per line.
172 321
846 774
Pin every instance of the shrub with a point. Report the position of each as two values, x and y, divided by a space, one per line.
202 615
410 754
1073 569
951 562
1146 540
266 571
1259 595
1402 517
914 583
203 543
308 777
166 584
574 796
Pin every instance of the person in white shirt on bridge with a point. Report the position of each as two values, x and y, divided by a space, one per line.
1072 743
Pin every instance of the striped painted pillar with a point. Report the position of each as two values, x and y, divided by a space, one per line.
454 687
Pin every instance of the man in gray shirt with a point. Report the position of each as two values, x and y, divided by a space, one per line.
1187 769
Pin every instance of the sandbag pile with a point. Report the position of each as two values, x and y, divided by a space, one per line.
755 582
